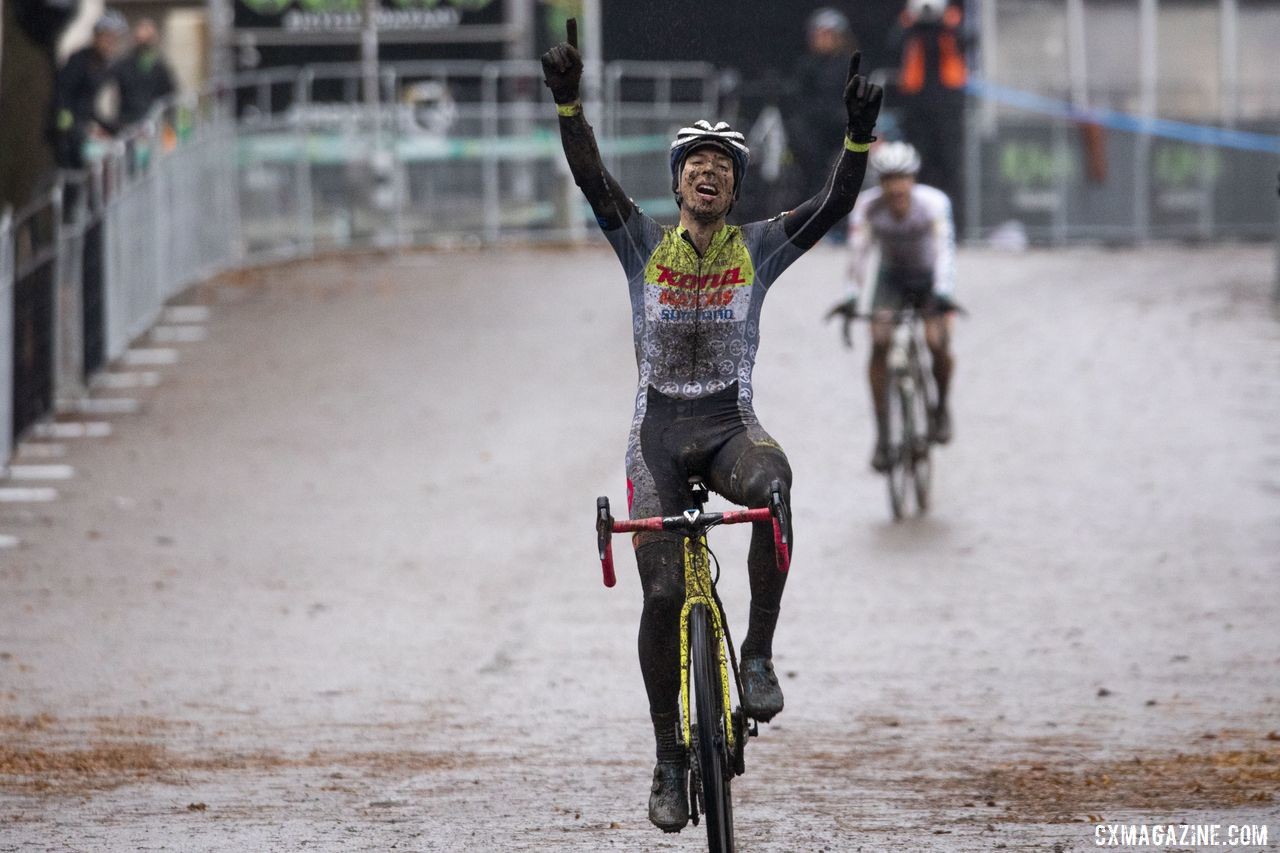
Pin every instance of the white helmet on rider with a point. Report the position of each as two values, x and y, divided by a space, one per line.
895 158
926 10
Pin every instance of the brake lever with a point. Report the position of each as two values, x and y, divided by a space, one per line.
781 526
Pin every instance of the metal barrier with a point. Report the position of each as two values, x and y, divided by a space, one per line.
169 220
288 162
457 152
1067 179
6 336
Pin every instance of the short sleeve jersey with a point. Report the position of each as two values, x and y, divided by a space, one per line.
695 319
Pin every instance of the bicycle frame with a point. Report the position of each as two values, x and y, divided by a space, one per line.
699 590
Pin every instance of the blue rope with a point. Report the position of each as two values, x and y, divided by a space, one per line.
1199 134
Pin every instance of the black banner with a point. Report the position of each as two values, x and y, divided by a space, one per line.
347 16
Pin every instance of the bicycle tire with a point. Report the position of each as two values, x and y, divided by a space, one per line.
921 463
711 745
899 446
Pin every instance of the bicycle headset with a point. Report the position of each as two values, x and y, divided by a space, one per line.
723 137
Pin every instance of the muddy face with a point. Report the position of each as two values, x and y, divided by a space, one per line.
706 184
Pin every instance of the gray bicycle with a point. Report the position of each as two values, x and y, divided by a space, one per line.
911 399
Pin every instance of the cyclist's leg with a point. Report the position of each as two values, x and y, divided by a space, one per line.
743 471
878 369
660 560
653 488
937 335
887 299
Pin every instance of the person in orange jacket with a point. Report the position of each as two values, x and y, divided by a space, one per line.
931 88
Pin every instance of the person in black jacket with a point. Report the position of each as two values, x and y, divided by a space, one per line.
817 81
79 81
142 75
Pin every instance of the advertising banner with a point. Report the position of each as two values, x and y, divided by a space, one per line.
318 17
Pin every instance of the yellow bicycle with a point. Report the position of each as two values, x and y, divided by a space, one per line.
714 735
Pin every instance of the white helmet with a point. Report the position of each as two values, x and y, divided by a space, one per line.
926 10
827 18
895 158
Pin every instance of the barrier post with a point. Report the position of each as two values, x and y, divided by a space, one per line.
6 336
69 306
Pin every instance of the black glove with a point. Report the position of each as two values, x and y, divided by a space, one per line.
861 101
562 67
939 304
847 309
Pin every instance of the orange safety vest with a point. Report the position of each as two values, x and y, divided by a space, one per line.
951 70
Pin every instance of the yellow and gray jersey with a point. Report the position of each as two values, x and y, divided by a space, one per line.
923 241
695 321
696 318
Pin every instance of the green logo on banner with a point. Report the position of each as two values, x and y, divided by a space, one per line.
267 7
1185 166
1032 164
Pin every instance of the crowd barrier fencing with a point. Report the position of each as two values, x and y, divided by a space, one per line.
285 163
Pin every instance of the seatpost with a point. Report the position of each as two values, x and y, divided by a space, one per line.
699 491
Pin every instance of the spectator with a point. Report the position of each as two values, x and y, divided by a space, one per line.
819 80
79 82
28 37
142 75
931 82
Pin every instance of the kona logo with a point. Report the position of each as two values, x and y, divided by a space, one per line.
667 277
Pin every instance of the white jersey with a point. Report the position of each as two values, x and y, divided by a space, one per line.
922 241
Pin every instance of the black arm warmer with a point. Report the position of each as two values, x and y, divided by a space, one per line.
807 223
611 205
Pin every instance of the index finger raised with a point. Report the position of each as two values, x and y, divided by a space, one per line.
854 62
572 28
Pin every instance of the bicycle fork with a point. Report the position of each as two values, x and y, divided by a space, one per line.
698 591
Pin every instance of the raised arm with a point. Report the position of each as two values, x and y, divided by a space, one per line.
806 224
562 67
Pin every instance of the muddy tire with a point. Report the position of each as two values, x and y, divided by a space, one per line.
921 466
711 745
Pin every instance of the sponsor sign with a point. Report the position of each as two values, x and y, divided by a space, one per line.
347 16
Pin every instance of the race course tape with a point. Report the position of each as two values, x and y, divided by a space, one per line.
1200 134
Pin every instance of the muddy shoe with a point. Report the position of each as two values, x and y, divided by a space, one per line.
669 797
882 457
940 426
761 694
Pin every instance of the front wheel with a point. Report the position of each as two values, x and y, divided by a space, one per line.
710 743
901 445
921 468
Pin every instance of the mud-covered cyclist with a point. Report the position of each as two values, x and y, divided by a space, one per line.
696 292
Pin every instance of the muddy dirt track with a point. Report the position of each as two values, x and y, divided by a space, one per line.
334 587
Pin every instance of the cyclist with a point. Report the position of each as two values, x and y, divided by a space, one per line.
696 291
911 226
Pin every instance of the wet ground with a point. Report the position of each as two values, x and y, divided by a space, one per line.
334 587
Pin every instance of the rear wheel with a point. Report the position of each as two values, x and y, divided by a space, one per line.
710 743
